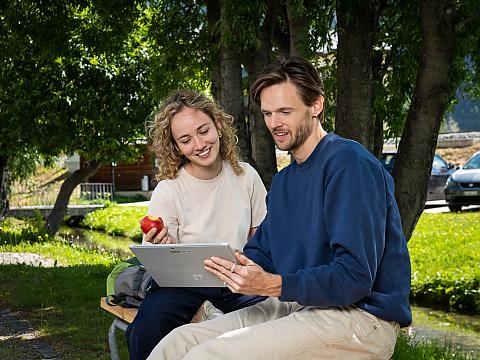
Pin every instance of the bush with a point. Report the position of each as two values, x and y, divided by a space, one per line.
120 199
117 220
14 231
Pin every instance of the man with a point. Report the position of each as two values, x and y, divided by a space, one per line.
330 253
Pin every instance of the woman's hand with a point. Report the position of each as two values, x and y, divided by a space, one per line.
161 238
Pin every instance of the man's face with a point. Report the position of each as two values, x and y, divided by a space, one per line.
286 116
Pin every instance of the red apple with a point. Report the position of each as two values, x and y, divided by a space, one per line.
149 222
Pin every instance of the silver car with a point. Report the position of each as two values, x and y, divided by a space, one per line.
463 186
441 170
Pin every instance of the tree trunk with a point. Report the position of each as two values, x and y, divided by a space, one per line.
55 218
254 60
377 136
377 76
433 90
298 27
3 188
213 17
232 88
263 147
356 26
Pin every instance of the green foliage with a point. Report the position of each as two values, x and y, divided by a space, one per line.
120 199
245 23
397 48
117 220
180 55
14 232
445 258
73 78
327 66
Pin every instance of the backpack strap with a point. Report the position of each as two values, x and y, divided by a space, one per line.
138 281
109 301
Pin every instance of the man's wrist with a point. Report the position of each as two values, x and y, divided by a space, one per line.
274 287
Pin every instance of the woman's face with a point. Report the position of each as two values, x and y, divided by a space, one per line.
197 138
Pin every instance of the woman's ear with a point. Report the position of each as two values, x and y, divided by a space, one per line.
219 128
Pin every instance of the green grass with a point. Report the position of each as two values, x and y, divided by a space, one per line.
63 302
412 349
445 261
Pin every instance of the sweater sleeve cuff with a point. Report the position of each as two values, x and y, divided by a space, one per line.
290 287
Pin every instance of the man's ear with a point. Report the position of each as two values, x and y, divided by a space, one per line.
317 106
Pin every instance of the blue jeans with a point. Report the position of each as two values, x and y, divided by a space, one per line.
164 309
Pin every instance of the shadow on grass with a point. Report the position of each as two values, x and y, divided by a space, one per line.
63 305
16 348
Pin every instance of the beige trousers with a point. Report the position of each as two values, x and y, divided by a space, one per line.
282 330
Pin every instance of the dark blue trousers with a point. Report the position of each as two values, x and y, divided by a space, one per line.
167 308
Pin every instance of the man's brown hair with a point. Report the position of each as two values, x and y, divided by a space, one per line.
298 71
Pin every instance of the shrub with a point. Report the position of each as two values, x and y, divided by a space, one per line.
14 231
117 220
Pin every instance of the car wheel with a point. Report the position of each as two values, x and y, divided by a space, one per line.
455 208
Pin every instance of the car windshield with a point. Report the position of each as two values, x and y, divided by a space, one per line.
473 163
439 163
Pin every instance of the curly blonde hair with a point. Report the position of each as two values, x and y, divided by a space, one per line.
169 158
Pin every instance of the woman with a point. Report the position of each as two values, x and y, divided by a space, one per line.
204 194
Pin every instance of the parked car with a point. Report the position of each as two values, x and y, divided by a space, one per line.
463 186
441 170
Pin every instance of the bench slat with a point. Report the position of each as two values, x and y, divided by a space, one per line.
126 314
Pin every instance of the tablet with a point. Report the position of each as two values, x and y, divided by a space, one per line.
181 265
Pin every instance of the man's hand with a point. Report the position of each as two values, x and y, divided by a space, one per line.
246 277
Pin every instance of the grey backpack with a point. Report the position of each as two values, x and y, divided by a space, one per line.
128 283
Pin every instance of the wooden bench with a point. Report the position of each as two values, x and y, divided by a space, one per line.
124 316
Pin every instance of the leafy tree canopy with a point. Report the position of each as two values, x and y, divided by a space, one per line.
74 77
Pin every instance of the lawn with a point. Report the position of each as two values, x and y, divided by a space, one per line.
445 261
63 302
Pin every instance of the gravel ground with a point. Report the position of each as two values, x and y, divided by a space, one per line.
18 340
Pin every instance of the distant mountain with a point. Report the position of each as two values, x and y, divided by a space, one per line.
464 117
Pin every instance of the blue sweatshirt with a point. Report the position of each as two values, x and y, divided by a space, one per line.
334 234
